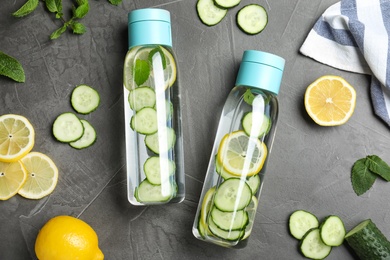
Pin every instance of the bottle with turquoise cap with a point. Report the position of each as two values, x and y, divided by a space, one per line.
237 166
154 141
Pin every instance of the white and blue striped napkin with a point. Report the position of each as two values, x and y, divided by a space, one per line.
354 35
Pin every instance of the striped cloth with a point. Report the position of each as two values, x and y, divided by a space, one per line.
354 35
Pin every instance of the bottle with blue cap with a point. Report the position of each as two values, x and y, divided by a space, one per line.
237 167
154 141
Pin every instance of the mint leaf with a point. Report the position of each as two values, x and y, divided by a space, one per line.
57 33
81 10
11 68
378 166
115 2
141 71
54 6
27 8
249 97
362 178
160 51
78 28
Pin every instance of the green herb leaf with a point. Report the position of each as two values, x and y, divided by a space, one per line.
249 97
81 10
362 178
11 68
378 166
160 51
57 33
141 71
78 28
27 8
54 6
115 2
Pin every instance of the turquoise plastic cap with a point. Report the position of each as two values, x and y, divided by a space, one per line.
149 26
261 70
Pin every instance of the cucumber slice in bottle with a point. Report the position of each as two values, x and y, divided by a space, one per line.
67 128
300 222
254 183
312 246
84 99
87 139
368 242
209 13
233 235
142 97
233 195
145 121
252 19
332 231
226 3
161 141
256 124
251 210
229 221
168 107
149 193
158 170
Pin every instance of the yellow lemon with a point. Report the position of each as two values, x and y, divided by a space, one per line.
16 137
240 154
12 177
67 238
42 176
330 100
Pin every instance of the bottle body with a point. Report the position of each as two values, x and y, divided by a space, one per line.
154 141
235 174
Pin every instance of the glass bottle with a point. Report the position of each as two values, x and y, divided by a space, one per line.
154 141
237 166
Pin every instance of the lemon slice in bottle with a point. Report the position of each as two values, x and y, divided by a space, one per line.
12 177
240 154
42 176
17 137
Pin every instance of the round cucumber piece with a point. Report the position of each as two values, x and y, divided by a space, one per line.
84 99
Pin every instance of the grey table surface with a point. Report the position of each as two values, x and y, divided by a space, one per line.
309 167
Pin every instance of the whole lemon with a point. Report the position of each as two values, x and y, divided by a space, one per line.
66 237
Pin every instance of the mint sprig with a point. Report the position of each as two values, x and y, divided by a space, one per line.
366 170
11 68
141 71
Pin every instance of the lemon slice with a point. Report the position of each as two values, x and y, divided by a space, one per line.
242 155
143 54
330 100
206 205
42 176
12 177
16 137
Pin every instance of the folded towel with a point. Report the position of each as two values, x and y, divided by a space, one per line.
354 35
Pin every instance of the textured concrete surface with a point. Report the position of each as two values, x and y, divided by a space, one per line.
309 167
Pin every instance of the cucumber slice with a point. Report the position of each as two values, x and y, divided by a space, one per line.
226 3
158 170
233 195
84 99
87 139
161 141
149 193
251 210
67 128
254 183
145 121
229 221
312 246
252 19
142 97
332 231
168 107
256 124
233 235
300 222
368 242
209 13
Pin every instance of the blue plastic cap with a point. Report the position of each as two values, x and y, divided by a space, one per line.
149 26
261 70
